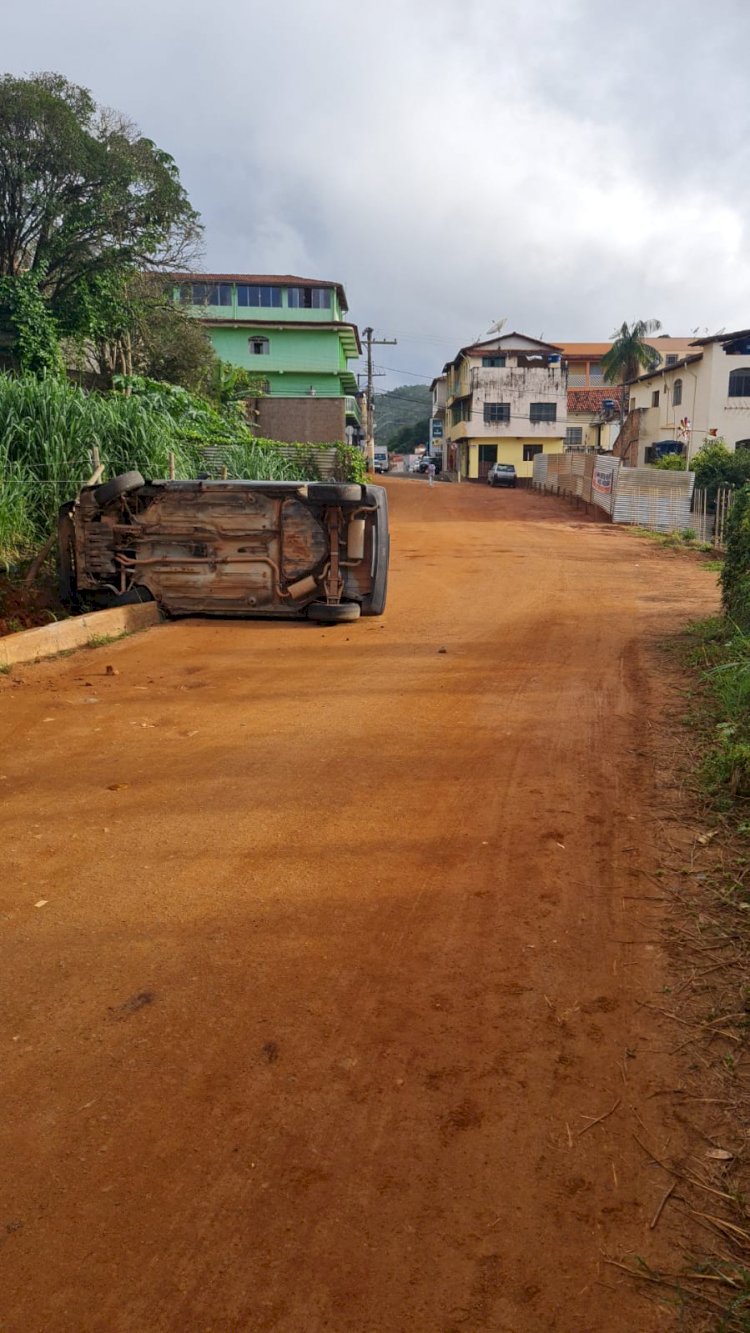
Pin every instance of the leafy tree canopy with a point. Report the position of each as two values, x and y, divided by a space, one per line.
83 195
129 324
630 355
670 463
715 465
28 333
406 440
400 407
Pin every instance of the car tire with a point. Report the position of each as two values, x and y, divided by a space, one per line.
66 558
133 597
339 613
122 485
374 605
328 493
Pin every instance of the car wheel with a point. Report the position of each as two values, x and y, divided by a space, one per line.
327 613
66 566
133 597
374 605
122 485
327 493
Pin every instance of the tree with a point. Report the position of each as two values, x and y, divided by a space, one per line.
630 355
132 326
716 465
401 407
83 195
670 463
735 575
406 440
28 332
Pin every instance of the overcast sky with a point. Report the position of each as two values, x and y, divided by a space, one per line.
565 165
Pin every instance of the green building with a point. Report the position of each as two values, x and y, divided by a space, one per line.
293 333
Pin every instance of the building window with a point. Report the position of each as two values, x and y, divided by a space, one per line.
258 297
670 360
496 412
492 362
742 444
677 393
574 437
739 384
461 411
309 298
543 412
655 398
259 346
488 453
530 451
208 293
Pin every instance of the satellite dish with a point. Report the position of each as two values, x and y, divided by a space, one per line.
497 327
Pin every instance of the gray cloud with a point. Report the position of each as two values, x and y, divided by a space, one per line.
566 166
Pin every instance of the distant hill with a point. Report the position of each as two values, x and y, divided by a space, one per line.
404 406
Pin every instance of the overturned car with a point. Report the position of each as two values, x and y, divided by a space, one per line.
228 548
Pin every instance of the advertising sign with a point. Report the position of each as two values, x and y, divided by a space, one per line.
602 480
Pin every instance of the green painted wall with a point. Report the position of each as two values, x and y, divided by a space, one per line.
297 359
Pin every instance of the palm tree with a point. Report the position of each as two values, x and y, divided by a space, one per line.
630 355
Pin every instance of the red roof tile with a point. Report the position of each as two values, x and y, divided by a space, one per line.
591 400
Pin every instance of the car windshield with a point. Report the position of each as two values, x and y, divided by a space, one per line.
504 467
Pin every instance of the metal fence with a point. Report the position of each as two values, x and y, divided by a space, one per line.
710 520
642 496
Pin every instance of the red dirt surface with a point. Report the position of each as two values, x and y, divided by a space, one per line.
323 949
23 608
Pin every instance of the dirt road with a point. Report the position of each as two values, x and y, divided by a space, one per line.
323 949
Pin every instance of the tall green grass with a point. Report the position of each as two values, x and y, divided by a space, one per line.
722 651
48 429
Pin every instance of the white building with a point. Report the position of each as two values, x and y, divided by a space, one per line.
704 393
502 400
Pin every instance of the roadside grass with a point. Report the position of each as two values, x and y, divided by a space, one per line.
684 540
104 640
720 653
703 766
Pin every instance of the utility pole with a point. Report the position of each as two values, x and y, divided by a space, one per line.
370 434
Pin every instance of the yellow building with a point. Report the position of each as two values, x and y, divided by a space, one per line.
504 401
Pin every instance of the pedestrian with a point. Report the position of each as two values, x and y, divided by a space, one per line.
430 472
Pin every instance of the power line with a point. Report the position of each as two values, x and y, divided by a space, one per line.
414 374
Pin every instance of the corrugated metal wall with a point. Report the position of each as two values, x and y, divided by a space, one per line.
653 499
643 496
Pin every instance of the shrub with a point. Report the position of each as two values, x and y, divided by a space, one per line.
670 463
715 465
735 576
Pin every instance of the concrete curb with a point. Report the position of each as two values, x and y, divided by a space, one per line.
47 640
